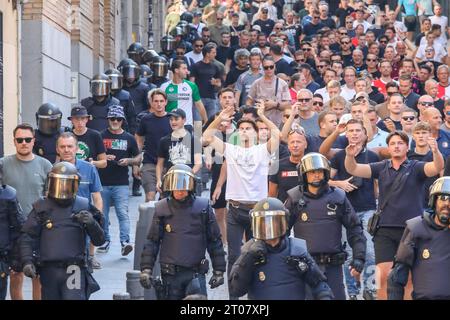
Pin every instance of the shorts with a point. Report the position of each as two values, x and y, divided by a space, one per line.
386 242
215 173
148 172
410 23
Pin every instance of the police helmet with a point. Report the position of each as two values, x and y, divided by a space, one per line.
48 119
116 79
187 16
177 31
100 85
314 161
179 178
135 52
63 181
131 72
440 187
269 219
146 72
160 67
168 43
148 56
185 27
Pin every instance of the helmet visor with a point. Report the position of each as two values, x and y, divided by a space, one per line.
62 187
179 180
116 81
49 125
160 69
131 73
267 225
100 87
168 44
314 162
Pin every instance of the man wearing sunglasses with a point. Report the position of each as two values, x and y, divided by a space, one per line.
425 257
446 125
27 173
121 152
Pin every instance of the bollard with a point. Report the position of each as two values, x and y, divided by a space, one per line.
121 296
146 212
134 287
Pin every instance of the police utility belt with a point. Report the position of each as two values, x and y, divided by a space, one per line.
333 259
172 269
241 205
61 264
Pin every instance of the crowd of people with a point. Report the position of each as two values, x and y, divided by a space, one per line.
339 109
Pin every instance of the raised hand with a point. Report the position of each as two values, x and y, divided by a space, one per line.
352 150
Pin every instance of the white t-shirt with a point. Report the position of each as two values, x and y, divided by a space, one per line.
439 52
443 22
194 56
247 172
347 93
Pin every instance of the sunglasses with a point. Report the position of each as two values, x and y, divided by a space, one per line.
346 42
371 60
429 50
443 197
428 104
361 99
199 46
321 66
269 67
115 119
306 49
348 21
21 140
391 93
343 33
288 115
316 17
299 131
304 100
318 103
383 41
278 28
219 19
409 118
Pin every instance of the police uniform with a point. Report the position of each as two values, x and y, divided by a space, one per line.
128 105
181 231
424 251
53 242
279 272
48 118
98 111
11 221
318 218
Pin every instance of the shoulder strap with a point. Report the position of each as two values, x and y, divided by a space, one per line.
276 87
398 182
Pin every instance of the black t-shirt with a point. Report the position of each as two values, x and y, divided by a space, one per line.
90 145
222 53
122 146
234 31
266 26
203 73
282 66
314 143
341 13
286 178
233 75
311 29
153 128
363 198
428 157
382 126
179 150
329 23
232 51
376 75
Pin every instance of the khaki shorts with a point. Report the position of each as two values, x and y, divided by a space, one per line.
148 172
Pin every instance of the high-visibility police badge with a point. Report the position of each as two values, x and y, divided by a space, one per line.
41 151
304 217
426 254
168 228
445 144
49 224
262 276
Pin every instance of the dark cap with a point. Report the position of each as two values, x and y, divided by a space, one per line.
197 13
235 14
116 111
265 10
177 113
78 111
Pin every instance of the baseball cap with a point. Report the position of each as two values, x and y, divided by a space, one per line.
256 27
197 13
78 111
116 111
177 113
361 94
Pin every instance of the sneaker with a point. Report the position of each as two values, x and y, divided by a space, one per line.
369 294
137 193
126 248
104 248
353 297
94 263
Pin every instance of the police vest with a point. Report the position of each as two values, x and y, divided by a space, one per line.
62 238
98 112
319 221
7 199
430 271
276 280
184 241
138 93
45 146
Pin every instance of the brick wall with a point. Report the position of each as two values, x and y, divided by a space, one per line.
99 28
109 32
83 25
56 12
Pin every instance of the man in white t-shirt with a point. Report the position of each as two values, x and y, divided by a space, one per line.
247 173
441 20
196 53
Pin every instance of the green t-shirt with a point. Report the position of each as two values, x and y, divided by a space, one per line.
182 96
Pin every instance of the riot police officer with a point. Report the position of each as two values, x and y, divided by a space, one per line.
57 228
135 52
424 250
318 214
273 266
11 221
124 97
48 120
183 228
168 45
160 67
98 105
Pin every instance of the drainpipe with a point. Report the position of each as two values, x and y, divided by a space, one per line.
19 59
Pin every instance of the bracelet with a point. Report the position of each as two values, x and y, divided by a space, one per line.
278 105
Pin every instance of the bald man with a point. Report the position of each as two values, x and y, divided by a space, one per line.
432 89
433 117
426 101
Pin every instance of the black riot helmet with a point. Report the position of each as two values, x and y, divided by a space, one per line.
146 72
179 178
116 79
131 72
168 44
148 56
311 162
160 67
48 119
177 31
100 86
269 219
135 52
441 187
62 182
187 16
185 27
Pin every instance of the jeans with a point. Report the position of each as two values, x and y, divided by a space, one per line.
211 106
368 276
119 194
